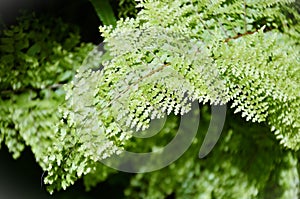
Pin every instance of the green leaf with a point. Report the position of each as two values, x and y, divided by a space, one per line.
64 76
34 49
104 11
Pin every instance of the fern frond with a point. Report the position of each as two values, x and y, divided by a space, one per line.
174 53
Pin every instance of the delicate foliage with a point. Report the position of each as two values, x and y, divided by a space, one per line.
39 60
127 8
220 39
240 166
240 52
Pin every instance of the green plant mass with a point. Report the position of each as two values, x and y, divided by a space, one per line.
82 111
35 62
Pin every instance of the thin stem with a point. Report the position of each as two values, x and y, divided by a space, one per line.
222 28
240 35
135 83
204 24
245 15
220 24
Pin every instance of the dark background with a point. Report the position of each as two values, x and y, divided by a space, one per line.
78 12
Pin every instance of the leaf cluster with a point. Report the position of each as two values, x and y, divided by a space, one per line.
38 55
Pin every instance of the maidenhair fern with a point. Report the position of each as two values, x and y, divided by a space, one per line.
213 51
238 52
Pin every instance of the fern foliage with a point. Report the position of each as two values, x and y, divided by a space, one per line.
240 166
239 52
35 62
225 40
127 8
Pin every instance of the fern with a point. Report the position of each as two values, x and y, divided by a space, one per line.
238 52
174 53
40 61
230 60
240 166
